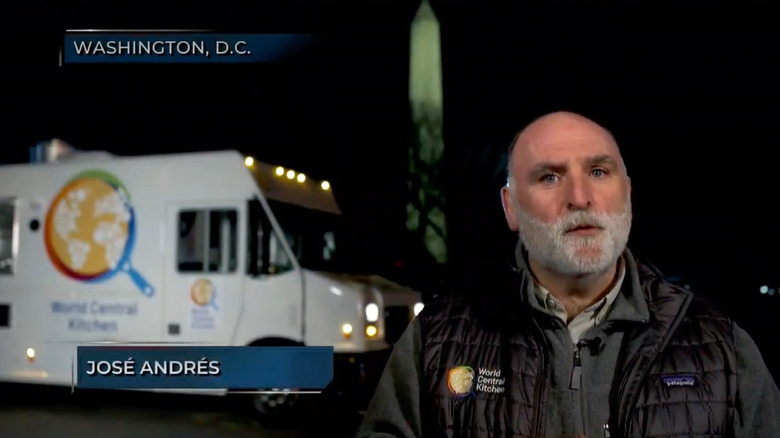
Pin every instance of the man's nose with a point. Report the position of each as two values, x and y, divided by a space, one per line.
579 194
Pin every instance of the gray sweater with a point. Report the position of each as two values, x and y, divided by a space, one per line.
395 409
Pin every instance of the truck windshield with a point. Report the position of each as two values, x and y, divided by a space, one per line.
317 238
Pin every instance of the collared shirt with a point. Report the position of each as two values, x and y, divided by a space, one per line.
590 317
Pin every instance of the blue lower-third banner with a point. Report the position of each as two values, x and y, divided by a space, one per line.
190 367
179 47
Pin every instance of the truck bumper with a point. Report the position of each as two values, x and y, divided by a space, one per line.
356 375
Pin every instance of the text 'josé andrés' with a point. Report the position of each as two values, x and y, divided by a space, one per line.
203 367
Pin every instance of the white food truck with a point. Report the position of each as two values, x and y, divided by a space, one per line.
206 248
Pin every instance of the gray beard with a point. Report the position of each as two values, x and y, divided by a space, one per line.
572 255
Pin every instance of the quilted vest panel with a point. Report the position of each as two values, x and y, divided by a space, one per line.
496 389
491 392
690 388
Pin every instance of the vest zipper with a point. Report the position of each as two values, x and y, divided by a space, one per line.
619 397
576 371
576 377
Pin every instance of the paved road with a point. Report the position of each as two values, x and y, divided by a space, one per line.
36 412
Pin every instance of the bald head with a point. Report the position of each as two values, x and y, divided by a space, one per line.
568 194
555 127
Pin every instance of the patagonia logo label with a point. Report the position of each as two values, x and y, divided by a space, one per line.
679 380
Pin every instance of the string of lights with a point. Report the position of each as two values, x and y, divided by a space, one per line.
291 174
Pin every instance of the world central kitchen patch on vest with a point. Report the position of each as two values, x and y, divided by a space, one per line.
463 380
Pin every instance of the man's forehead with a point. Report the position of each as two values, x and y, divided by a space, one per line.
563 139
569 151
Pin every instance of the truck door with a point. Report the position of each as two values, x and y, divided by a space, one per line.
203 274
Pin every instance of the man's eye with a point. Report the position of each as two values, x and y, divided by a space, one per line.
598 173
548 179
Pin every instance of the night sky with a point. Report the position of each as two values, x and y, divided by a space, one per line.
338 111
691 94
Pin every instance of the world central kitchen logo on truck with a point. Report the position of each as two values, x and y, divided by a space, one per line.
89 234
210 248
90 230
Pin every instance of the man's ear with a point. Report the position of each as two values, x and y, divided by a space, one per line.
510 214
628 188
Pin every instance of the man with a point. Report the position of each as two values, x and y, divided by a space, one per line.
584 340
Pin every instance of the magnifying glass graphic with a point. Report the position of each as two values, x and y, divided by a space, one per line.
203 293
90 230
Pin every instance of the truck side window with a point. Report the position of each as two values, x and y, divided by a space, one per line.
223 241
208 241
329 245
266 254
7 211
279 260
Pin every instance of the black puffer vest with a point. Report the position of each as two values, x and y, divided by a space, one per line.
685 338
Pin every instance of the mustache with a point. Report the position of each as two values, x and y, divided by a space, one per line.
581 219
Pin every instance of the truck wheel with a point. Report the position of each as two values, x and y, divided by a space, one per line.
275 407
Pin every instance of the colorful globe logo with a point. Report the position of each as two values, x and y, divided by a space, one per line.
460 379
203 293
90 230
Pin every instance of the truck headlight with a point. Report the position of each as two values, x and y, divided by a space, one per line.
347 330
372 312
418 308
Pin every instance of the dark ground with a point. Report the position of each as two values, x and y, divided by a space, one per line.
39 412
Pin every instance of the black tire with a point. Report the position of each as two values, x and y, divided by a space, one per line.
276 407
